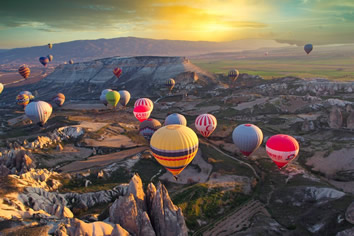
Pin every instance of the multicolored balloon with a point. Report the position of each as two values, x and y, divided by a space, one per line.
44 61
142 113
308 48
71 61
39 112
247 138
29 94
174 147
205 124
50 46
112 98
282 149
175 119
24 71
170 83
1 87
233 74
50 57
117 72
148 128
144 102
124 97
22 100
59 99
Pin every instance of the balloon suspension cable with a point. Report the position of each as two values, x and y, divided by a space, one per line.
176 177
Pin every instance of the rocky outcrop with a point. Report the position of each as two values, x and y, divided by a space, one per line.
350 120
167 219
349 214
335 119
307 125
347 232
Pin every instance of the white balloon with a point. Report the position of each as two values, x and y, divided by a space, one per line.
38 112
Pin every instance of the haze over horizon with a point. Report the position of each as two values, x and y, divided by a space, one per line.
294 22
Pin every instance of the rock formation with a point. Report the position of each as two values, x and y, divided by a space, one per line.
335 119
349 214
350 120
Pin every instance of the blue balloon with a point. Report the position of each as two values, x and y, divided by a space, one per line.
175 119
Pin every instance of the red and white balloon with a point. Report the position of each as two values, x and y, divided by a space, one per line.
282 149
142 113
205 124
144 102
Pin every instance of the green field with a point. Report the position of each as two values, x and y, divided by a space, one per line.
268 68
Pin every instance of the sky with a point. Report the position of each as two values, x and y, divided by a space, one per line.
36 22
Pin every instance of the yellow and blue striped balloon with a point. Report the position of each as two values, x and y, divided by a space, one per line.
174 147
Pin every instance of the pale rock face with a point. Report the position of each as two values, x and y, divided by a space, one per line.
335 120
350 120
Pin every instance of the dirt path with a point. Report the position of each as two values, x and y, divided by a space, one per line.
237 220
101 160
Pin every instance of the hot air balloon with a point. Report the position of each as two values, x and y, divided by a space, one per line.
175 119
205 124
44 61
117 72
29 94
308 48
142 113
50 57
103 96
266 53
148 128
112 98
59 99
174 147
233 74
247 138
170 83
50 46
144 102
124 97
282 149
24 71
71 61
22 100
39 112
1 87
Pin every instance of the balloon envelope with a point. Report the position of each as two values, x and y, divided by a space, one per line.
50 46
50 57
59 99
22 100
144 102
28 93
233 74
117 72
124 97
1 87
282 149
24 71
104 92
170 83
308 48
39 112
174 147
71 62
247 138
148 127
112 98
205 124
142 113
175 119
44 61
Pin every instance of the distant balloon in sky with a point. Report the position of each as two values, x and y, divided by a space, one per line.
124 97
50 57
24 71
28 93
205 124
50 46
308 48
233 74
247 138
59 99
174 147
71 61
170 83
44 61
112 98
144 102
266 54
22 100
142 113
175 119
1 87
39 112
282 149
148 128
117 72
